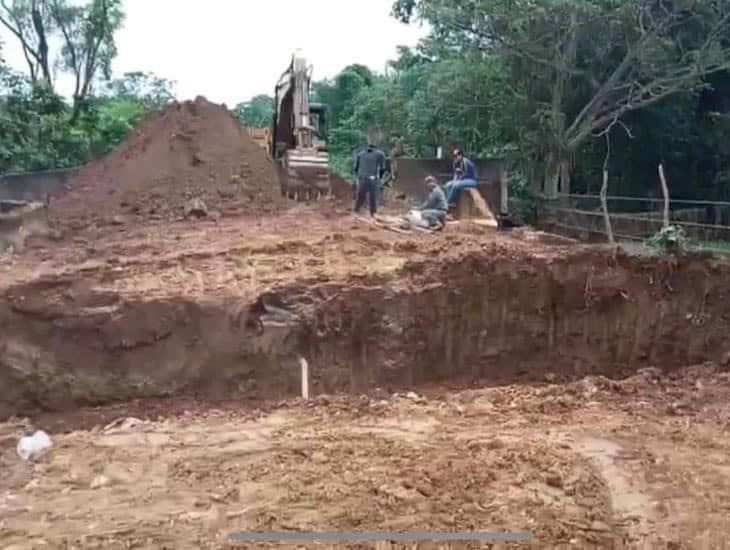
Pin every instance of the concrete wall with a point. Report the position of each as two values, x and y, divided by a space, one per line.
34 186
412 172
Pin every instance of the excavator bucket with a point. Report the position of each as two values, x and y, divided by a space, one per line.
304 175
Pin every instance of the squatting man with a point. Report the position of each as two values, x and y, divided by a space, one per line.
434 208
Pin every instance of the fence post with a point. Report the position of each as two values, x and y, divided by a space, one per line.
604 207
665 192
503 192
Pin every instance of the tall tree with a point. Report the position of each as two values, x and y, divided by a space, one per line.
31 23
580 66
88 42
85 33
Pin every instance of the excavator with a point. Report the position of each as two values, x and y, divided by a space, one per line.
298 136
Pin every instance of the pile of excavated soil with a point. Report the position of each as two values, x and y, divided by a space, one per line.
191 150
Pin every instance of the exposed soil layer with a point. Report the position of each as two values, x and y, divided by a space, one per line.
190 150
634 463
225 310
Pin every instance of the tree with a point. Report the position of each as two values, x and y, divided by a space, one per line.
579 67
31 23
338 94
85 33
35 123
256 113
34 129
88 47
145 88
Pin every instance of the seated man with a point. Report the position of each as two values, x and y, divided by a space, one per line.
453 188
465 174
433 210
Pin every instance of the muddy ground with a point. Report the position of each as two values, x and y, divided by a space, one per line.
526 351
636 463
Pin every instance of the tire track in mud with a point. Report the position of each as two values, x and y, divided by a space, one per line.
630 503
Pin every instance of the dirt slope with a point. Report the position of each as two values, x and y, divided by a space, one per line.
194 149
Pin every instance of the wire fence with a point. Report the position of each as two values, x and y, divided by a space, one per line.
636 219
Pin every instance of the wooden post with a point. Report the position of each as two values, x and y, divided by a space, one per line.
604 207
504 192
665 192
305 378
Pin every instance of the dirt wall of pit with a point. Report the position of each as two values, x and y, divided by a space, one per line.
482 317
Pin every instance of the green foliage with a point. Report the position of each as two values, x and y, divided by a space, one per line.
36 128
424 103
143 88
575 69
256 113
339 94
82 32
670 240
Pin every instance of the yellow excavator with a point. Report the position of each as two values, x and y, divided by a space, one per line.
298 136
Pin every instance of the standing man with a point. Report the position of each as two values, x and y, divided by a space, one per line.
465 176
369 168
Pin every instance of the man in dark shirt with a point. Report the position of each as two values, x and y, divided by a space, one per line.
369 168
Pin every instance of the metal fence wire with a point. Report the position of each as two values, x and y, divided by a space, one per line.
706 223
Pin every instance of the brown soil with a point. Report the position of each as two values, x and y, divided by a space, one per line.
194 149
202 323
635 463
182 310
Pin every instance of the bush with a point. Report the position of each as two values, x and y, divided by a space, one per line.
670 240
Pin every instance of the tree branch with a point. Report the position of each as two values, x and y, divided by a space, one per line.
58 16
42 42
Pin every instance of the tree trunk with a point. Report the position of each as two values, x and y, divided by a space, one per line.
557 174
565 176
42 45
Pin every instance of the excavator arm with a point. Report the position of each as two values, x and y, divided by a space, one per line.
302 157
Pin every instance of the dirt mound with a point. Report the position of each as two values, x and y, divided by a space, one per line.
191 150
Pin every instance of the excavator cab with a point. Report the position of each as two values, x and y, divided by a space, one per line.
318 121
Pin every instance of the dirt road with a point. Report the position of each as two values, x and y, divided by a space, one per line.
640 463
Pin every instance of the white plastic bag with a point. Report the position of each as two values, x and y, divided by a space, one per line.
416 218
32 447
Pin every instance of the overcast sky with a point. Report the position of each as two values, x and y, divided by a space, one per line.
231 50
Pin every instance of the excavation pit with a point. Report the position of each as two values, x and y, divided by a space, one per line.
226 310
464 381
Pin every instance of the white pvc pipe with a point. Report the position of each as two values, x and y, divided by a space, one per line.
305 378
